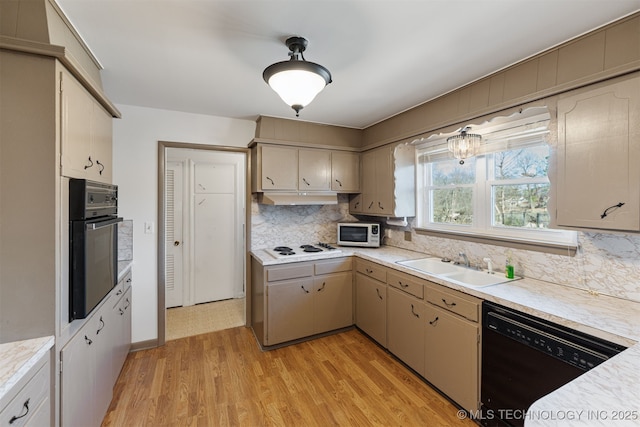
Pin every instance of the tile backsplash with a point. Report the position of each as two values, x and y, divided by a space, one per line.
125 240
604 263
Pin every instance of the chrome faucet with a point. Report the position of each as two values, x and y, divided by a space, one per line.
466 260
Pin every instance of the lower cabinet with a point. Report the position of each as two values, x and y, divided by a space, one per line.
302 299
452 344
405 328
371 307
91 361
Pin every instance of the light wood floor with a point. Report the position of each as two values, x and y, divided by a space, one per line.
204 318
224 379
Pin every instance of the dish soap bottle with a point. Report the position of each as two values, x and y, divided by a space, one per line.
508 268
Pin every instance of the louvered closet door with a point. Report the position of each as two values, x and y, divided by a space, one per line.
174 243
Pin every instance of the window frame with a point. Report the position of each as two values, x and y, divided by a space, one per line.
431 150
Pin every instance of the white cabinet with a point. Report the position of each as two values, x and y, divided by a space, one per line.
29 399
597 160
86 133
387 184
91 361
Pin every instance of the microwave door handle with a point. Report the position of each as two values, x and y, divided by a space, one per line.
100 224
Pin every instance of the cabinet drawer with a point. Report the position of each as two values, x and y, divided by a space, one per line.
35 393
456 302
372 269
333 266
407 283
289 271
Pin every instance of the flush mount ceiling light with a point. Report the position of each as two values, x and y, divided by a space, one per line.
297 81
464 145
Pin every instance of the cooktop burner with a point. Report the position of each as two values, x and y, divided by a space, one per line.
303 250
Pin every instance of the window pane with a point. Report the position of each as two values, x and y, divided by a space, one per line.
521 205
452 205
525 163
452 172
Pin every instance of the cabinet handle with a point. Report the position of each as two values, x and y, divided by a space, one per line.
101 326
356 204
202 187
453 304
128 304
380 205
302 286
129 279
305 181
339 183
25 405
323 283
370 205
119 292
120 311
89 165
272 183
402 285
606 211
87 340
413 312
101 166
434 321
368 271
378 292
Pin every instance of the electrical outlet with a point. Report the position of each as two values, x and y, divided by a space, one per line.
407 236
148 228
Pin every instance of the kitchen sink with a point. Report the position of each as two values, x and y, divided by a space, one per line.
430 265
456 273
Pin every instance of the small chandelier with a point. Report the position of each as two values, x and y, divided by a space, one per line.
464 145
297 81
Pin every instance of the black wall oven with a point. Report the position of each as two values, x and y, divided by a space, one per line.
93 244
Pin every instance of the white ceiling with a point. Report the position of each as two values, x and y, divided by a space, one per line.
386 56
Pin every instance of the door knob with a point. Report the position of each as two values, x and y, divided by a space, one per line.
176 243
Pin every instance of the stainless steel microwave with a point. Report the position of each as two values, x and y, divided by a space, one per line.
362 234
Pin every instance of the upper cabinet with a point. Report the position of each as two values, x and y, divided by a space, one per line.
290 168
86 133
345 171
387 182
597 161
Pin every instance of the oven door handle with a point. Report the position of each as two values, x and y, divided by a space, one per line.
100 224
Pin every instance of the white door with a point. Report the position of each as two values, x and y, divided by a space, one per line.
174 243
218 208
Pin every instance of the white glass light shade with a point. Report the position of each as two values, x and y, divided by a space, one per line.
464 145
297 87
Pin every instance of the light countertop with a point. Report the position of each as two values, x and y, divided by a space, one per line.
605 395
16 360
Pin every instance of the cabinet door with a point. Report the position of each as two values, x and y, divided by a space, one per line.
106 333
598 158
77 397
451 356
101 144
279 167
75 126
356 201
345 172
289 310
368 183
333 301
314 170
405 328
122 344
384 181
371 307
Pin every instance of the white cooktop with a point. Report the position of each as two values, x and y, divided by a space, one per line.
296 251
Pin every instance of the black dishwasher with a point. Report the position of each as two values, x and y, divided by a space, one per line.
525 358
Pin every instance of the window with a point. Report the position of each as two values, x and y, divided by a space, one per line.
501 193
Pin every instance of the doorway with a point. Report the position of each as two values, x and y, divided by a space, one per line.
202 242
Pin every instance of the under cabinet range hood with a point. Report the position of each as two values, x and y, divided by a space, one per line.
298 198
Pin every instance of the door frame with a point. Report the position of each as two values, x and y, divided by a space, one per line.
162 162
